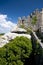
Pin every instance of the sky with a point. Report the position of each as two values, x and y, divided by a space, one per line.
10 10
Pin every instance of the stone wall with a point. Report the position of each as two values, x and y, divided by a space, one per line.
37 49
27 21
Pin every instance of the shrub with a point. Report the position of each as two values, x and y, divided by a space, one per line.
16 51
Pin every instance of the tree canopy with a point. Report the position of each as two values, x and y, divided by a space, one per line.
16 51
34 20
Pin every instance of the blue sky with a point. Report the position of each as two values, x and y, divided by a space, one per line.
18 8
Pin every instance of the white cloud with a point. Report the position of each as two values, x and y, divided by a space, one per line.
5 25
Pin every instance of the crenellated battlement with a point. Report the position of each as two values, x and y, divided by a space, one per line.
27 21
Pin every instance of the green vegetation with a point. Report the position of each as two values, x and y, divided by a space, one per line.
29 30
34 20
1 34
38 54
38 49
16 51
22 26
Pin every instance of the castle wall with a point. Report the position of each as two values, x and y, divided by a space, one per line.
41 24
27 21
